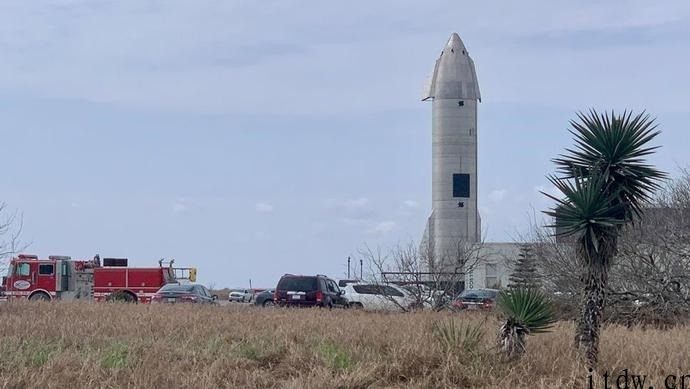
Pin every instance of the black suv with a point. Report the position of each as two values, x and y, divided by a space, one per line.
309 291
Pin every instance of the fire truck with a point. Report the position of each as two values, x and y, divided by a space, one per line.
62 278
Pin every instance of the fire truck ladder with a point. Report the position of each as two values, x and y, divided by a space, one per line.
177 274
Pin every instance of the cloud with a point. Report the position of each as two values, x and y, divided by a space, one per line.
348 204
382 228
264 208
180 205
497 195
260 235
186 58
411 203
352 210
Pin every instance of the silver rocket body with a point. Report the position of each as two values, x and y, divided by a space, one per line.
454 92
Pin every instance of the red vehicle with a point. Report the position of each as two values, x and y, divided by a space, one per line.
63 278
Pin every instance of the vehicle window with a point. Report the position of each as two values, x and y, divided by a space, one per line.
391 291
344 283
364 289
200 290
45 270
468 293
177 288
479 293
332 286
486 294
23 269
298 284
384 290
204 291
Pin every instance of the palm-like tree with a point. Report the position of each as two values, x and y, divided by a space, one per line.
528 311
606 183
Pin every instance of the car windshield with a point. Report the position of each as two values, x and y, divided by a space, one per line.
299 284
177 288
478 293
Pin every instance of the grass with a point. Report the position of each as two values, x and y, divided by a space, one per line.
51 345
455 337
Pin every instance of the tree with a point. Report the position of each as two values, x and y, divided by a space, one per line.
10 229
606 184
429 278
525 275
651 283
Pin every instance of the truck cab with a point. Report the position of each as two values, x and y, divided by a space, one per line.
35 279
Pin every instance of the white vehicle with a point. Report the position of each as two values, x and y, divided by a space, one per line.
425 294
240 296
378 297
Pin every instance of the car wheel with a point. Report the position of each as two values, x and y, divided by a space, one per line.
268 304
356 306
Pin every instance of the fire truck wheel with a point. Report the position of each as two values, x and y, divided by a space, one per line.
120 296
39 296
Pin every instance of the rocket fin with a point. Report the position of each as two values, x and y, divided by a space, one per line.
426 242
478 93
430 86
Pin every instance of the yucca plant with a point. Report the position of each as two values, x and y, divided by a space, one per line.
528 312
452 336
606 184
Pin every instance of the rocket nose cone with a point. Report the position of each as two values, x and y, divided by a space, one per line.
455 43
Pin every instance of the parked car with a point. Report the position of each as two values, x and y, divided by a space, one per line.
428 297
183 293
240 296
265 298
309 291
379 297
476 299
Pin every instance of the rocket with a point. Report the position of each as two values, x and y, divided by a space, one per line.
454 91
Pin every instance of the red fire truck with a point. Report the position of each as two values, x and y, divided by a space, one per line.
63 278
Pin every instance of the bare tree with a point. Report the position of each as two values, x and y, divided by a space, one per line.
649 279
429 278
11 224
651 275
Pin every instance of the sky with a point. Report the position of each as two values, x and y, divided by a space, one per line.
252 140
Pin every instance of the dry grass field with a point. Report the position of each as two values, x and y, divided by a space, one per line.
73 345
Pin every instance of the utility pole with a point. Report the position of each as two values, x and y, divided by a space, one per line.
361 277
348 268
250 283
